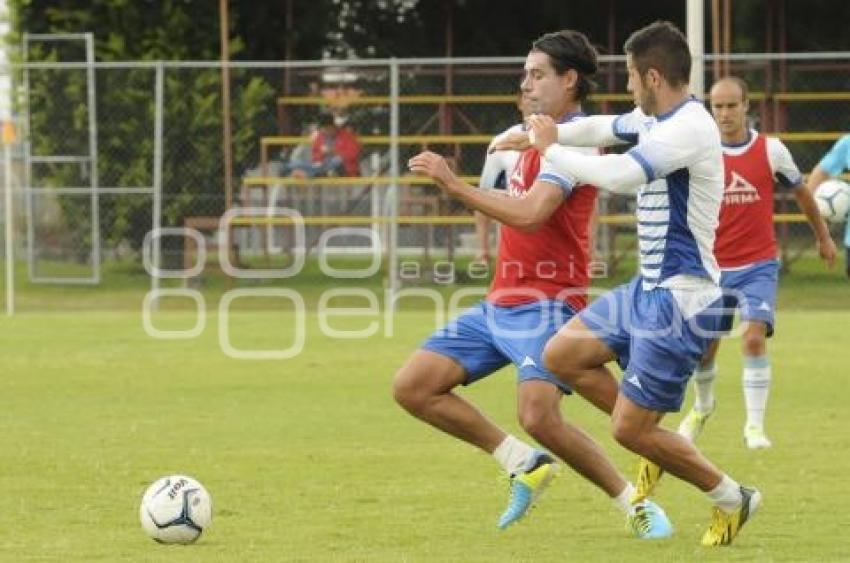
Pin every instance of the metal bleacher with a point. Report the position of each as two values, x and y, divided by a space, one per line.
431 210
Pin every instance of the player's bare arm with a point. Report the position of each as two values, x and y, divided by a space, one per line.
823 240
816 178
527 213
592 131
617 173
515 141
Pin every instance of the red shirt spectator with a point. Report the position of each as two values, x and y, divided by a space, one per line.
339 141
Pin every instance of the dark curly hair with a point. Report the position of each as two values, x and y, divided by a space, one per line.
569 49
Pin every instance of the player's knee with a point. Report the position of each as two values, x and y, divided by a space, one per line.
550 359
407 393
626 434
555 359
536 420
416 385
753 344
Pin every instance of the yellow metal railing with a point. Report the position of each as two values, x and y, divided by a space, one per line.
435 99
809 136
811 96
386 139
618 219
347 181
354 100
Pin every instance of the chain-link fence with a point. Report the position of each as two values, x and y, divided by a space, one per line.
107 153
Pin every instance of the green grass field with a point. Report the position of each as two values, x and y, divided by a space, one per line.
309 459
806 284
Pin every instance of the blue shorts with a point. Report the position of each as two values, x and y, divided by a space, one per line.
657 348
752 291
487 337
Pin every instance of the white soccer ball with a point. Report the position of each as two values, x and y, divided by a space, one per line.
175 509
833 200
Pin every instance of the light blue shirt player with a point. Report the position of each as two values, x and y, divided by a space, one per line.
660 324
836 161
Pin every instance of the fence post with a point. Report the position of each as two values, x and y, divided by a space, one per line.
394 187
156 253
91 101
8 139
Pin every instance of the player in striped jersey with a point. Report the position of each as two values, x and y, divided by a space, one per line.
659 325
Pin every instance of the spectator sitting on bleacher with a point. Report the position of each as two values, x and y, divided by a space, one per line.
335 150
302 153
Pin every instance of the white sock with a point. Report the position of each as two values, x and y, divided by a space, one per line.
624 499
704 387
726 495
756 382
513 454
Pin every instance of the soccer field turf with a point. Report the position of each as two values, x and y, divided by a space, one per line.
309 459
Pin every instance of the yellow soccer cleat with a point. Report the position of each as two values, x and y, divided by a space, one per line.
693 423
648 476
725 526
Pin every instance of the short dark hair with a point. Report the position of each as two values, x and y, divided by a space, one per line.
661 46
739 82
570 49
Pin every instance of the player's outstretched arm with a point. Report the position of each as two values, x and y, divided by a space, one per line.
823 240
516 141
527 213
593 131
787 173
618 173
817 177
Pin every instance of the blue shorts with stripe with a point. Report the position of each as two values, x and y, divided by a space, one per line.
655 345
487 337
752 291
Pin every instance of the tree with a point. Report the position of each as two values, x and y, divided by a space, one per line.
169 30
192 170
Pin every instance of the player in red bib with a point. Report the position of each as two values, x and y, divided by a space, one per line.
745 248
539 261
540 282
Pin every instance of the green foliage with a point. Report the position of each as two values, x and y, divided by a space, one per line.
189 30
192 163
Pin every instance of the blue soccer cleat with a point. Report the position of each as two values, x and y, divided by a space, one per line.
527 486
648 521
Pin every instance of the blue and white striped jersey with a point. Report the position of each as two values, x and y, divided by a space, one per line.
678 207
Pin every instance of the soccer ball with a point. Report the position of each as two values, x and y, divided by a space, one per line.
833 200
175 509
